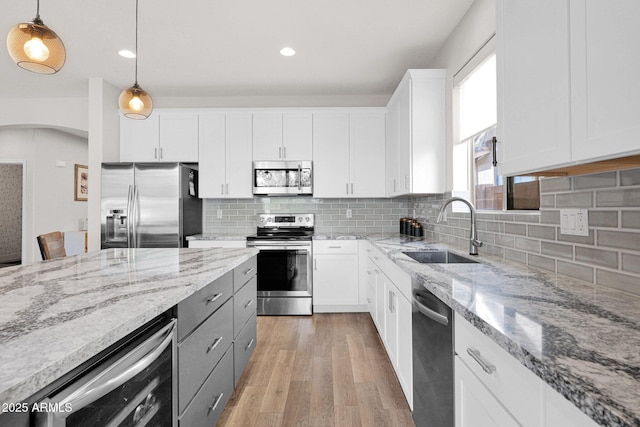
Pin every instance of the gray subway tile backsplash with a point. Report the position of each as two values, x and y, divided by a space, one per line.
609 256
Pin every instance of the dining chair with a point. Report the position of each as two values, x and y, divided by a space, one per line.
51 245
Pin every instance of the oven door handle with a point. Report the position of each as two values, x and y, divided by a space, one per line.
122 370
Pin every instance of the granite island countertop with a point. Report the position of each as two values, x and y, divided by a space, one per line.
581 339
57 314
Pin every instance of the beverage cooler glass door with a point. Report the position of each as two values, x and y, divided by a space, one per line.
134 387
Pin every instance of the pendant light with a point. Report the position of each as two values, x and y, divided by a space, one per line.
36 47
135 102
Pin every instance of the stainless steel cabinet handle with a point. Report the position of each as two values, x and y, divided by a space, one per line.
284 153
249 345
335 247
249 270
352 188
221 188
213 298
315 264
486 366
248 303
213 407
161 153
214 344
155 153
347 188
227 188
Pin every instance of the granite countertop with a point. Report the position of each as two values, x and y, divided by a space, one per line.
57 314
215 236
581 339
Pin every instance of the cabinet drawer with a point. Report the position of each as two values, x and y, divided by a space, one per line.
244 304
335 246
243 348
244 272
199 353
199 306
207 406
517 388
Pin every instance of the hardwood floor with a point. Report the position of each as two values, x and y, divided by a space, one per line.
321 370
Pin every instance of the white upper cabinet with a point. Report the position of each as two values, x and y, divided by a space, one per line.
605 83
349 154
533 84
282 136
165 136
225 155
568 89
416 161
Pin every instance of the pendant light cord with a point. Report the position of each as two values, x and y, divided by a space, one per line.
37 18
136 79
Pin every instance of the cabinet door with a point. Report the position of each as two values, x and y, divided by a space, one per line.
331 155
381 301
392 145
335 279
367 154
139 139
404 130
475 405
212 154
559 412
533 84
238 158
404 366
267 136
178 137
297 136
604 78
391 320
372 285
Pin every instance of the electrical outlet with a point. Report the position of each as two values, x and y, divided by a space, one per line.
574 222
219 213
348 213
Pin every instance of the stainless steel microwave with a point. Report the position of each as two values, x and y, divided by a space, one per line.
283 178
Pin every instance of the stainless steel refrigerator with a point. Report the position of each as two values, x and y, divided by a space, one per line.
149 205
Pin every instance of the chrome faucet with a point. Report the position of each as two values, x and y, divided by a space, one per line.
474 243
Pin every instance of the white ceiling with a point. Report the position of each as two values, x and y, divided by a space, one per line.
205 48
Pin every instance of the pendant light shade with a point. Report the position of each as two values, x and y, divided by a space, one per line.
135 102
36 47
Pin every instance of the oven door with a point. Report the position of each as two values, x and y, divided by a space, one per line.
134 387
285 269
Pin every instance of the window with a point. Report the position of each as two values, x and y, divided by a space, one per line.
475 100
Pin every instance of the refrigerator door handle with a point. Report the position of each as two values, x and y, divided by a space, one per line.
129 215
134 227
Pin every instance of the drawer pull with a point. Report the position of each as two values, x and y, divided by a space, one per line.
213 407
248 271
214 345
335 247
248 303
249 345
213 298
486 366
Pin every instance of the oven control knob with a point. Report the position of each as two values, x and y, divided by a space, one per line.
269 219
308 219
299 219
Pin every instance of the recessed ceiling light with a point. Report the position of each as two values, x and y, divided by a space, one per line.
127 54
287 51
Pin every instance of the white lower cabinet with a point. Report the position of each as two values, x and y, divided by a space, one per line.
391 313
492 388
335 276
475 405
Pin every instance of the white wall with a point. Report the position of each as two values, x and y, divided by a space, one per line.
476 27
49 204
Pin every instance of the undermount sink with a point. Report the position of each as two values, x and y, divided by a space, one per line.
438 257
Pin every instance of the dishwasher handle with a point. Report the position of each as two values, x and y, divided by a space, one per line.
441 318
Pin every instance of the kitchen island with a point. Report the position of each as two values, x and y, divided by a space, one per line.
57 314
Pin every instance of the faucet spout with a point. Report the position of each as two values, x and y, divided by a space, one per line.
474 243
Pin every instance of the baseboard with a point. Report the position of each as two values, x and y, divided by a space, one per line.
351 308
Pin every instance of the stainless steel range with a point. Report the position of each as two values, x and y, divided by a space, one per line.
284 263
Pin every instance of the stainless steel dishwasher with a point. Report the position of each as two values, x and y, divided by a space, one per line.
433 360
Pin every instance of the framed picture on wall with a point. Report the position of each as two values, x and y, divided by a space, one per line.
81 189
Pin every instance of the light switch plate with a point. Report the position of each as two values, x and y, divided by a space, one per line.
574 222
348 213
219 213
